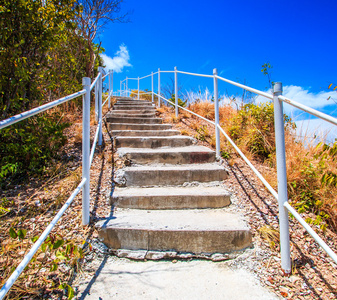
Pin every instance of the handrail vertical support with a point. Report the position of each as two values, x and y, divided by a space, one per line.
96 100
111 85
159 87
100 84
86 152
126 86
216 108
152 86
138 87
120 88
176 90
281 178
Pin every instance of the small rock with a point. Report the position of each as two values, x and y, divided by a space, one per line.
136 255
155 255
185 255
219 257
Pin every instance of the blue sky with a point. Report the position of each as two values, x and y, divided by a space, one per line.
296 37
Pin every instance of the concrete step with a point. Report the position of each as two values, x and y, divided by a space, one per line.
123 98
128 126
169 174
114 119
133 107
153 141
144 133
171 197
133 112
176 155
134 102
192 231
117 113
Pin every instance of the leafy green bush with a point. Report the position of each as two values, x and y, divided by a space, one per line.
253 129
180 102
28 146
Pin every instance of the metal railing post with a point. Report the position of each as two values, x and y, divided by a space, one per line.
138 87
158 87
100 84
96 100
86 152
120 88
281 178
126 86
152 86
176 90
111 84
216 108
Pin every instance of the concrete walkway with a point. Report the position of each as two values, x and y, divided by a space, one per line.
120 278
170 203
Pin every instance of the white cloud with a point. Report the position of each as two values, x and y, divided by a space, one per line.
119 61
317 130
309 128
305 97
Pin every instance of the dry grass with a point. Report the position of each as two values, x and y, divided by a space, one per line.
205 109
306 163
270 235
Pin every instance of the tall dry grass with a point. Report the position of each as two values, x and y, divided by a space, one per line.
311 169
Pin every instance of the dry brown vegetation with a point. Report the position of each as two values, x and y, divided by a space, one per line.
311 169
27 208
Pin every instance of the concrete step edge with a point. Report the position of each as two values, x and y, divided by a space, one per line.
194 231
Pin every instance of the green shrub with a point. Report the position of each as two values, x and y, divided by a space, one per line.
28 146
253 129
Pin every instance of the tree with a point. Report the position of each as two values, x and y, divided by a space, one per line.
168 90
29 32
93 16
38 53
266 70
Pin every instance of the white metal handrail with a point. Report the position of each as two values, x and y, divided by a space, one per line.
93 147
297 216
282 196
93 84
193 113
309 110
37 110
195 74
86 160
17 272
145 76
245 87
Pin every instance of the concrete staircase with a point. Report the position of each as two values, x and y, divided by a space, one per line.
170 195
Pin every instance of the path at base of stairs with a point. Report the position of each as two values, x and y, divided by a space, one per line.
127 279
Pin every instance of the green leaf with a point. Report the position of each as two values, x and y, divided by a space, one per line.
34 239
22 233
53 267
58 244
44 247
62 286
71 293
60 255
13 233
